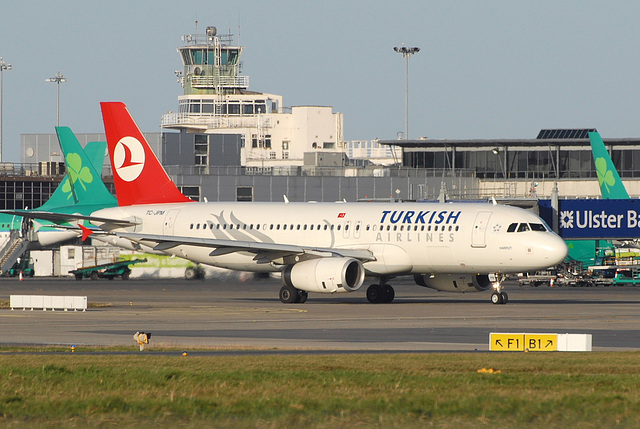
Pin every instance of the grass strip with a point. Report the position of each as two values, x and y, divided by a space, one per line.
589 390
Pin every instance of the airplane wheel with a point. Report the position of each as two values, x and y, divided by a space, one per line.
302 296
388 294
374 294
505 297
288 294
496 298
190 274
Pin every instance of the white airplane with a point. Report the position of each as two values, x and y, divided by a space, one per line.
321 247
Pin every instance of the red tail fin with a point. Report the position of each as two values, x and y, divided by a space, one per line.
138 175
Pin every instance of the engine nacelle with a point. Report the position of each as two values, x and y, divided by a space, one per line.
454 282
326 275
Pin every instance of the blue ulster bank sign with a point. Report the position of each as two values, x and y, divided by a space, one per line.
595 219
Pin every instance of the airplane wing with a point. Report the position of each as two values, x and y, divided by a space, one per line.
60 218
265 252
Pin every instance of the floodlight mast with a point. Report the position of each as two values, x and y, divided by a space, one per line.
3 66
406 52
58 79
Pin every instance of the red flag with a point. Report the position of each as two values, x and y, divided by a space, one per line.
342 214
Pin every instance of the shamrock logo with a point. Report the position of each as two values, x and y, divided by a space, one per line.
604 176
76 173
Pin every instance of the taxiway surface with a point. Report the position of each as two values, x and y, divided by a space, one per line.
248 314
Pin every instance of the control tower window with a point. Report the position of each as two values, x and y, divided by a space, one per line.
247 109
186 57
229 57
261 107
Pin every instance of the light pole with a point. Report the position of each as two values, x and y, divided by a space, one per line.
58 78
406 53
3 66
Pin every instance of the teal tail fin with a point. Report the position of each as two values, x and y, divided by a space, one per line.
83 183
611 186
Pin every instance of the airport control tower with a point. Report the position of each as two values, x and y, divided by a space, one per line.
217 100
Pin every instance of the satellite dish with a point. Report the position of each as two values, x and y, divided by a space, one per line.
212 31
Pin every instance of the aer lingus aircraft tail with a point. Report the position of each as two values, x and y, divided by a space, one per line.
84 169
611 186
138 175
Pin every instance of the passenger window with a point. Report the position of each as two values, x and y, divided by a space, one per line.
512 227
191 227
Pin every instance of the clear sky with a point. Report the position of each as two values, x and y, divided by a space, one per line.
486 69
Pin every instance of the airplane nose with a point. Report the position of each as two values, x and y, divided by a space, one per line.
555 250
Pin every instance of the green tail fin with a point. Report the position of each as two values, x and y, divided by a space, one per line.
82 184
611 186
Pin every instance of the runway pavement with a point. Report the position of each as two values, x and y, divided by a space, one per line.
248 314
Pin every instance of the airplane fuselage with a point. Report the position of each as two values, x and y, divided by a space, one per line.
403 238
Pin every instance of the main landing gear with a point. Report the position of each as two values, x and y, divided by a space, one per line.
291 295
499 297
380 294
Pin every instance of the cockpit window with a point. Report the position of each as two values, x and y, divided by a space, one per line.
537 227
523 227
512 227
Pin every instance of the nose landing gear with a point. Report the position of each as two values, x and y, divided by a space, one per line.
499 297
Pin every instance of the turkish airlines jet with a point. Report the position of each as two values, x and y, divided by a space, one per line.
321 247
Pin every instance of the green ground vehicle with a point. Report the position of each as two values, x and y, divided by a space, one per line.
106 271
25 265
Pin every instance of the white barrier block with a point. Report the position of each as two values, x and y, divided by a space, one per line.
80 303
574 342
36 301
48 302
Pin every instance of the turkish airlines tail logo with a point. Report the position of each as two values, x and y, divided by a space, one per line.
128 158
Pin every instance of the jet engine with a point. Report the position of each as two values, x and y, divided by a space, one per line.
326 275
454 282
